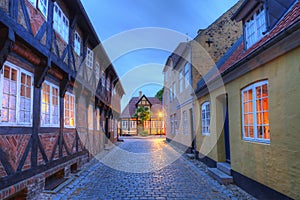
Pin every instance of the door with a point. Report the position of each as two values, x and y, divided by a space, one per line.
226 131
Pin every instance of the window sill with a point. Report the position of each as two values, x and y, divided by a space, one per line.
258 141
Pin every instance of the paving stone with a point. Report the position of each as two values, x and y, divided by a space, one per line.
180 179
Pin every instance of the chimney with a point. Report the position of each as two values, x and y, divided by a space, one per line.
141 94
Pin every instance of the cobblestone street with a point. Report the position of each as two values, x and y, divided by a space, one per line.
145 169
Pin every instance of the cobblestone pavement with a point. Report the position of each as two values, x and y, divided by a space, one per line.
151 169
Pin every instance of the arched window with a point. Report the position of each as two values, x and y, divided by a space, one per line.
205 108
255 110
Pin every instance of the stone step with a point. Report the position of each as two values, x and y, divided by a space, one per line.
220 176
224 167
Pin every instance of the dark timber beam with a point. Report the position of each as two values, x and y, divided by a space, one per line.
41 72
7 47
7 166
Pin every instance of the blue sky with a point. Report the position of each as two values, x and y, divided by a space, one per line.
112 18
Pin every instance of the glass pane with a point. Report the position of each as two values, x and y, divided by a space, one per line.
23 78
12 102
27 117
13 74
265 90
259 118
22 103
23 90
246 119
28 92
258 92
246 131
251 119
6 72
13 87
245 96
250 95
28 80
251 132
22 116
12 115
250 106
266 118
260 132
267 132
265 104
259 105
5 101
6 86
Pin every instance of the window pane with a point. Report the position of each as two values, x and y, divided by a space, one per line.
251 132
267 132
265 104
260 132
246 131
259 105
258 92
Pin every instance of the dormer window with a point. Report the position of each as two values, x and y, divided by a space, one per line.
255 27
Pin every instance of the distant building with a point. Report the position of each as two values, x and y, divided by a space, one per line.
185 67
130 125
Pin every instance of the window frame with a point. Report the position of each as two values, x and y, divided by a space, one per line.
124 124
253 87
74 111
89 58
204 119
59 25
77 43
253 21
41 7
51 124
18 95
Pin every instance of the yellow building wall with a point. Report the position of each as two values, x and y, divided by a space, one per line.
277 164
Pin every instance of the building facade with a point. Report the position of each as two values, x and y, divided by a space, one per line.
57 89
131 125
250 121
185 67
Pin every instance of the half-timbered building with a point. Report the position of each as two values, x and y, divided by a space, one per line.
59 94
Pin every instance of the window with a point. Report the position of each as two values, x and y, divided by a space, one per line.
255 26
124 124
133 124
108 84
187 75
77 42
171 94
97 71
50 105
90 58
69 103
15 96
205 118
98 117
255 109
43 7
174 90
90 118
185 125
61 23
103 79
181 82
33 2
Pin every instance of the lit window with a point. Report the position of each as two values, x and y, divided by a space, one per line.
133 124
255 109
90 118
43 7
187 75
69 110
124 124
205 118
15 96
50 105
61 23
181 81
185 123
255 26
77 42
90 58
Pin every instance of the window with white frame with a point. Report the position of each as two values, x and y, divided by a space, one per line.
50 105
97 71
133 124
187 75
255 109
90 117
33 2
69 103
181 81
185 123
61 23
124 124
77 43
15 96
43 6
90 58
255 26
205 108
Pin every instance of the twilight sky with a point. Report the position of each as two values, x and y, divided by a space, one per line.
138 52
